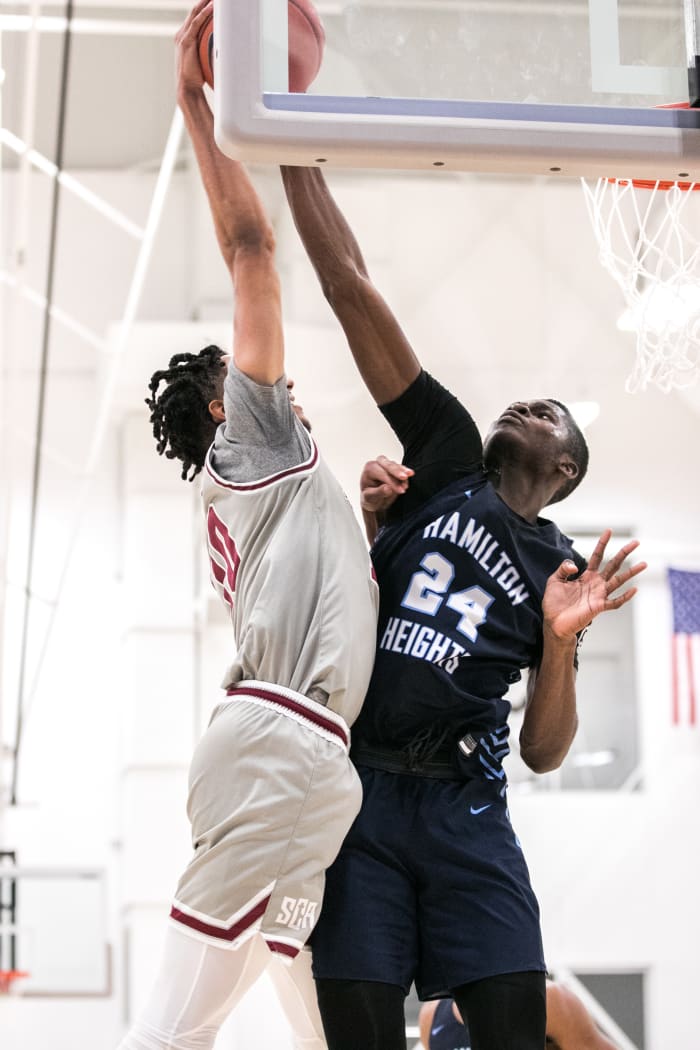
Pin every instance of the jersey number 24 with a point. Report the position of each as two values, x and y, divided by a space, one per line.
429 586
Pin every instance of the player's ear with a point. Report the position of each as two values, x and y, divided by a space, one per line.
216 410
568 467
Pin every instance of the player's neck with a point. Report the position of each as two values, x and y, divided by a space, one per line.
521 492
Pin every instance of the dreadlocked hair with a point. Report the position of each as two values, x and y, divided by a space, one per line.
182 425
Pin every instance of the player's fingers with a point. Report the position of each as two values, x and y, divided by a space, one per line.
195 20
375 498
381 491
632 570
616 561
390 465
620 578
191 15
596 558
623 552
200 6
394 469
566 569
379 462
373 473
398 479
378 494
620 600
201 17
380 472
399 472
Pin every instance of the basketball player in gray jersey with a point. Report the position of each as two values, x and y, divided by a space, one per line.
272 791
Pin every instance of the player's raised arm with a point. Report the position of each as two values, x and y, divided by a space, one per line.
382 352
569 605
244 234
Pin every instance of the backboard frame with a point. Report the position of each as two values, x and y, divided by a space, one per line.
21 939
277 127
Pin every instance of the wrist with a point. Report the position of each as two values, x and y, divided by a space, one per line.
553 639
190 96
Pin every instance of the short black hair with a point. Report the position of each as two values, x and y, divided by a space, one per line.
182 424
578 450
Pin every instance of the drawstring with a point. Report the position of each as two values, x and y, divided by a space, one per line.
425 744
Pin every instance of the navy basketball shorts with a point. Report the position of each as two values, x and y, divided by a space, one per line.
430 885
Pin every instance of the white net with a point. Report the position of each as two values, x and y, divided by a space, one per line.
647 242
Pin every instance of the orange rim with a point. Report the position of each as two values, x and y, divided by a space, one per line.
8 976
661 184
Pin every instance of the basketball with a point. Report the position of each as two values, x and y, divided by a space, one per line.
205 47
306 42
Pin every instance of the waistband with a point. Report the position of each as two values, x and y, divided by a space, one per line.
441 766
328 724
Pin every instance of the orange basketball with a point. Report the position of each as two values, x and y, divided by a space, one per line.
205 46
306 42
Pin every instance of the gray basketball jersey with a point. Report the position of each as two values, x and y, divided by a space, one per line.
287 555
272 790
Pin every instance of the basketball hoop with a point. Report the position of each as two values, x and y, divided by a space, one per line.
8 978
649 241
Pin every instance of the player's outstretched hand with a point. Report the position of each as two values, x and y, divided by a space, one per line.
381 483
569 604
188 70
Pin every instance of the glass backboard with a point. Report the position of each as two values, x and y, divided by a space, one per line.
53 929
568 87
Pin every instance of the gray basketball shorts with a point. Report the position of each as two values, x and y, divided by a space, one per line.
272 794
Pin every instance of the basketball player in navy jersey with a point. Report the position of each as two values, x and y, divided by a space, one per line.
569 1025
475 586
272 790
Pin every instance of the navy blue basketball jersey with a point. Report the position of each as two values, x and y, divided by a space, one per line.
446 1032
461 579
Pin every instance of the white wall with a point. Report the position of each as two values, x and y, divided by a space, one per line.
497 285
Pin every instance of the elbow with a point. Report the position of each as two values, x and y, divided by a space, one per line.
546 755
249 241
542 761
342 284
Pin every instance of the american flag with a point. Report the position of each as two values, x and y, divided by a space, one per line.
685 653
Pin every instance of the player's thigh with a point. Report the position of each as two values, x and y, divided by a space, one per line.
505 1012
362 1014
197 987
368 925
296 991
478 913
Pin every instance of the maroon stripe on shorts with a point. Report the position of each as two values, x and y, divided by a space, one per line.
293 705
223 934
283 949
